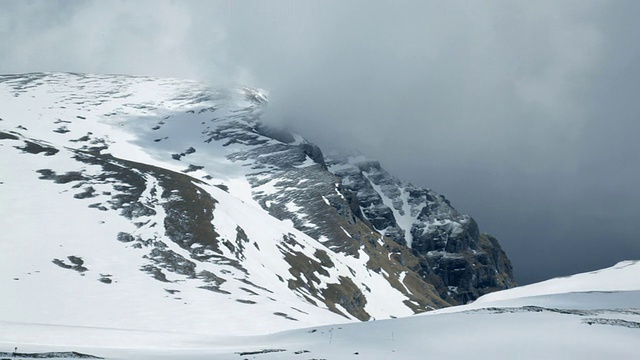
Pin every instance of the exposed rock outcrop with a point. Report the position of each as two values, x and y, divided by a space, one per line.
450 244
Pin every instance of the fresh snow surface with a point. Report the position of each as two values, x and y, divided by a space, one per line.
593 324
626 275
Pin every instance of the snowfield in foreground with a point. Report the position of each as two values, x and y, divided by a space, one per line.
596 317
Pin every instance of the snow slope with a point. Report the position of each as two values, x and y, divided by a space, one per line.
592 324
624 276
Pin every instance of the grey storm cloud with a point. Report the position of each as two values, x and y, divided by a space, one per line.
523 113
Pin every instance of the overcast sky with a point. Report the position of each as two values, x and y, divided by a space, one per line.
525 114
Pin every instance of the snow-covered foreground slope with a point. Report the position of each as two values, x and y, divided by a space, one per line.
624 276
595 323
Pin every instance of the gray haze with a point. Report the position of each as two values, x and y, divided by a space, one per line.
525 114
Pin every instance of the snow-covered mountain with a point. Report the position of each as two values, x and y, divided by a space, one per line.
165 205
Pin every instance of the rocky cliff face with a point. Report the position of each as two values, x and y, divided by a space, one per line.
449 244
346 201
334 199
